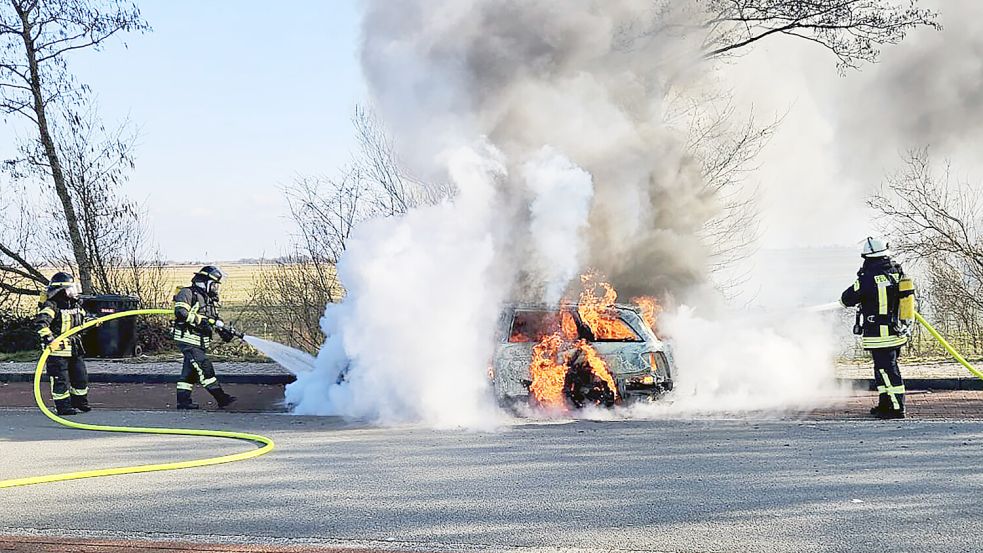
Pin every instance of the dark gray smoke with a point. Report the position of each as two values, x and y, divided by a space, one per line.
533 73
551 120
928 91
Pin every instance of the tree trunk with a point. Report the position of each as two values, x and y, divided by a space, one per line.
74 233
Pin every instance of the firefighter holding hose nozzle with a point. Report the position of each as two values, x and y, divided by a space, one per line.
196 321
59 311
885 301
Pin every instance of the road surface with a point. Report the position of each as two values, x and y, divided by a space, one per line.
650 485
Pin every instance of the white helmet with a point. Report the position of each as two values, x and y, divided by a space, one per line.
875 247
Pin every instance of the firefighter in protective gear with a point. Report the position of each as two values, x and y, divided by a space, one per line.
59 311
884 298
196 321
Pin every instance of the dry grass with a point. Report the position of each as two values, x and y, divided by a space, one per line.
236 288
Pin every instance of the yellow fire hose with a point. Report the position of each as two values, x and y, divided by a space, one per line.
267 444
948 347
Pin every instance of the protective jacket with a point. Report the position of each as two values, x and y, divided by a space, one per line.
194 315
878 292
57 316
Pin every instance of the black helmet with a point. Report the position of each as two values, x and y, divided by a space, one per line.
61 282
208 278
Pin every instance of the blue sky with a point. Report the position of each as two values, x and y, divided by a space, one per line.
234 99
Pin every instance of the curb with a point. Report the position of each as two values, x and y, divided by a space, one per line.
139 378
973 384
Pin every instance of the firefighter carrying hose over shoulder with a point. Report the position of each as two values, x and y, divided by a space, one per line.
196 320
886 310
59 311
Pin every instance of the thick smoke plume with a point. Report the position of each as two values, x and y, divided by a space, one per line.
529 74
549 123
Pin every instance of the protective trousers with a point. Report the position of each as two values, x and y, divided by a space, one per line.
69 383
887 376
198 369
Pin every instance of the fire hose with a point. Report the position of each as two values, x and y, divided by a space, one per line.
267 444
945 344
931 330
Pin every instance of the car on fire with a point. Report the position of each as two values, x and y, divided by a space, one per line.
638 362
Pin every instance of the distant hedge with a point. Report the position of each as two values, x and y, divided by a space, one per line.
16 333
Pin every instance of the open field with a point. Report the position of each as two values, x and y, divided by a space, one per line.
236 288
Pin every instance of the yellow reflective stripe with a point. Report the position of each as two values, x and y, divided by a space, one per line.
884 331
47 311
889 390
78 391
185 386
209 381
192 339
856 285
882 284
193 317
57 396
185 305
201 374
44 332
887 342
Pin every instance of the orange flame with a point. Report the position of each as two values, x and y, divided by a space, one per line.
598 313
650 309
568 327
547 375
597 366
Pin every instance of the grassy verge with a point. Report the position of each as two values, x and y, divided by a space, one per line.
20 356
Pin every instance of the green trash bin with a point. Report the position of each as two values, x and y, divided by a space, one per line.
113 339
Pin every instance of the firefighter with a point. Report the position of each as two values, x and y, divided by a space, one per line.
196 320
59 311
884 298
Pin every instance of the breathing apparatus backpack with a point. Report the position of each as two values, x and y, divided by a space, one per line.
903 317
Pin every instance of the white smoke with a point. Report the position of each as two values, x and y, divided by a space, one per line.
423 292
559 209
736 362
552 132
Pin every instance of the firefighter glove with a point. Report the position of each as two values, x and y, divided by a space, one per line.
225 332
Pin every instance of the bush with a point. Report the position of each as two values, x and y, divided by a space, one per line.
17 333
154 335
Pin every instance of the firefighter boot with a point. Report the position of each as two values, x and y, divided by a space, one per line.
221 398
64 407
184 400
891 412
81 403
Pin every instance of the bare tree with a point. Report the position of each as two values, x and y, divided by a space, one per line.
293 290
19 273
97 162
852 30
725 145
937 223
36 37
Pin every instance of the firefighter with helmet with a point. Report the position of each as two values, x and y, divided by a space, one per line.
885 301
196 321
59 311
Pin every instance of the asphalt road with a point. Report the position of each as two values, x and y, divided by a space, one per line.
669 485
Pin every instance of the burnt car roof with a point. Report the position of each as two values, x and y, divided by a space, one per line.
568 305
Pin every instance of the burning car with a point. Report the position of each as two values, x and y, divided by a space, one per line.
575 354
